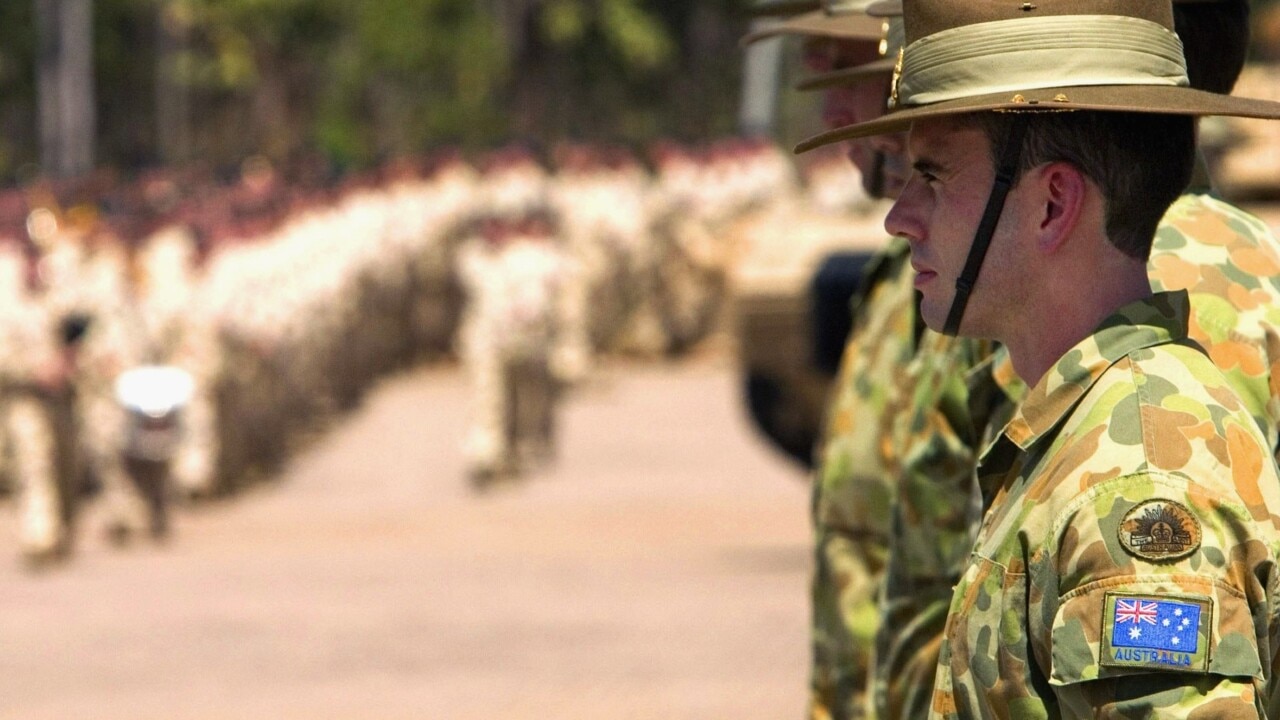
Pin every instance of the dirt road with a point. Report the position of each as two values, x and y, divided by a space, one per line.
658 571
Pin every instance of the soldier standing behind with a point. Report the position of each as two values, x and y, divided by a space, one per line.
854 483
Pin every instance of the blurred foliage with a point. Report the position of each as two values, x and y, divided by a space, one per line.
1266 30
355 82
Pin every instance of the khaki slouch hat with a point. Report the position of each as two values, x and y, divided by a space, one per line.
838 19
892 38
1037 56
783 8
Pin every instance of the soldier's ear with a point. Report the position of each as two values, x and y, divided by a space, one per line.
1061 191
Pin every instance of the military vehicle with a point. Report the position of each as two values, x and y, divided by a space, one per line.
790 291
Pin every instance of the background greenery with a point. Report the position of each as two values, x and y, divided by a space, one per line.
352 82
360 80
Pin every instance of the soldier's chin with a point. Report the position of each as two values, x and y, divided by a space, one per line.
934 318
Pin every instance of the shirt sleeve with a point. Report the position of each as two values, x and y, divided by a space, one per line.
1160 603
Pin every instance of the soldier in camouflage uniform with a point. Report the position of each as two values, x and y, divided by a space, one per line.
1112 519
854 485
1225 258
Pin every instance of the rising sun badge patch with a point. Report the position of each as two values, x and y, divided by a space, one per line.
1156 632
1160 530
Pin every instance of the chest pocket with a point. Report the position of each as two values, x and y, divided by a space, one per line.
988 644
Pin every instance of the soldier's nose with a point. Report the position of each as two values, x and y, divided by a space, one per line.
903 219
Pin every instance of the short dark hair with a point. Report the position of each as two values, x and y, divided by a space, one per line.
1141 162
1215 40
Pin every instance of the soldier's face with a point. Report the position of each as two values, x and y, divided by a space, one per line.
824 54
938 212
880 160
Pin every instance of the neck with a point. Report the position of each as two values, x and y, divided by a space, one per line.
1069 310
1201 180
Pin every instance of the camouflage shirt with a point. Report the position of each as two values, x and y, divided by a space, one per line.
935 441
1126 565
853 486
1229 261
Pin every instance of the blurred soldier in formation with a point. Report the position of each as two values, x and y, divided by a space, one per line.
181 333
115 341
87 266
701 206
514 272
613 203
63 308
598 298
36 410
441 206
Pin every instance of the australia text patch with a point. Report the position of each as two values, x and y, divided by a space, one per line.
1157 632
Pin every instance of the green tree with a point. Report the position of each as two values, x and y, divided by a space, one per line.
220 80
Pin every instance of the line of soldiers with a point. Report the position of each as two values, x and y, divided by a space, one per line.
283 301
601 258
1047 485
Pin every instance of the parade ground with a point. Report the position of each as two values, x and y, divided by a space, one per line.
659 570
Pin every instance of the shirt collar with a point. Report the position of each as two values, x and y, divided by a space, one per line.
1157 320
999 368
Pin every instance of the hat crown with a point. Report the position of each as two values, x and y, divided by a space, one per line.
971 49
928 17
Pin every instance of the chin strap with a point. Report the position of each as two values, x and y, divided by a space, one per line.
1010 156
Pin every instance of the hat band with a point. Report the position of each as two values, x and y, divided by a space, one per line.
1039 52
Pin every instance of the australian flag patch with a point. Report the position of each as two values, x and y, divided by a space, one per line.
1156 632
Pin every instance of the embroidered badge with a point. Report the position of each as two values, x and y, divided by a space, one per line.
1156 632
1160 530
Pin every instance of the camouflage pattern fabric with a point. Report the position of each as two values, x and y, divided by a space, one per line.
853 488
935 440
1230 263
1127 564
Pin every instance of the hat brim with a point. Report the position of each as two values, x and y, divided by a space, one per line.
849 76
781 8
893 8
1162 99
854 26
885 8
